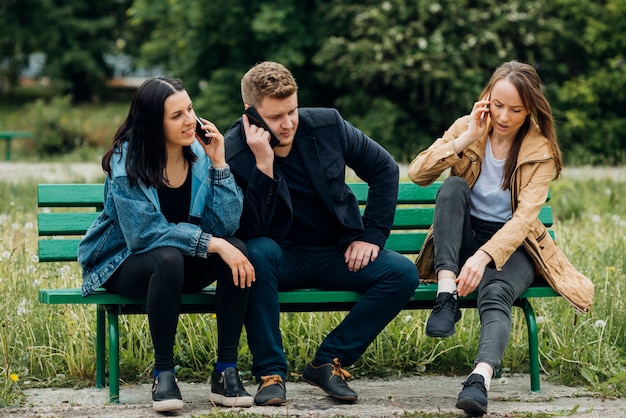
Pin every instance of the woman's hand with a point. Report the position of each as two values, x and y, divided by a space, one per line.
240 266
475 128
472 272
215 148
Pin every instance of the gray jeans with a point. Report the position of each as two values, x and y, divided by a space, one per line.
457 236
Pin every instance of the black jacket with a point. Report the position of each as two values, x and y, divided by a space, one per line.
328 144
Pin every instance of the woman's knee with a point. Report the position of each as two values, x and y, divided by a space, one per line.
452 187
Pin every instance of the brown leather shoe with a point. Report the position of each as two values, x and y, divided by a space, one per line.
271 391
331 378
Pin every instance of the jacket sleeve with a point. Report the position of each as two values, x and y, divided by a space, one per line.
374 165
223 203
430 163
265 213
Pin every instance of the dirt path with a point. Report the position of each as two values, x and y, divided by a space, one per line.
509 397
89 172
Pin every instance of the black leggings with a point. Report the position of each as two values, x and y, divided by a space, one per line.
162 276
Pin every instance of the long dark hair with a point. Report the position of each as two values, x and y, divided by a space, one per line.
528 84
144 133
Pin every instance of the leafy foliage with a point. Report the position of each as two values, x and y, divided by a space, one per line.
401 71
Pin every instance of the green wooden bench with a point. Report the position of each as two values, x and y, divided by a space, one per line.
8 136
61 225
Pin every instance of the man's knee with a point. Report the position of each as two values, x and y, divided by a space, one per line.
405 272
262 250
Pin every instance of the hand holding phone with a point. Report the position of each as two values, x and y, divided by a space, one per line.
201 132
255 119
482 116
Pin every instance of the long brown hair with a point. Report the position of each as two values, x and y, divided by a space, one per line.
528 84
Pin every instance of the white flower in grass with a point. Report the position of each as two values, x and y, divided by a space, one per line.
599 324
541 319
407 319
615 219
34 258
6 255
21 307
596 219
29 225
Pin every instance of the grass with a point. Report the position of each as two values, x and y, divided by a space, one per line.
43 345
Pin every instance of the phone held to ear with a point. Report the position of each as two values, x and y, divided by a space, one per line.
256 119
201 132
482 117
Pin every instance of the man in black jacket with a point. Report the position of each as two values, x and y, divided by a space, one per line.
303 228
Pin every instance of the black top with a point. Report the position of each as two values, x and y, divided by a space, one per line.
313 223
176 201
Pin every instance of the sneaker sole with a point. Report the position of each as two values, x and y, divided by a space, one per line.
340 397
240 401
167 405
471 407
441 334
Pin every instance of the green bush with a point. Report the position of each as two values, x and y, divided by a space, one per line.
56 130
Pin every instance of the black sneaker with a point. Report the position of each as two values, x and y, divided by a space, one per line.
445 314
227 389
165 393
473 397
271 391
331 378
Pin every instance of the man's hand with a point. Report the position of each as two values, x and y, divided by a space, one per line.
359 254
472 272
258 140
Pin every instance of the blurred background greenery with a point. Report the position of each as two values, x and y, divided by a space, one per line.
401 71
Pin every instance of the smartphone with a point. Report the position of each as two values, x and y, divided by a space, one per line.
482 116
201 132
256 119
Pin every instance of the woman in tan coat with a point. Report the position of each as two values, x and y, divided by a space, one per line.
486 234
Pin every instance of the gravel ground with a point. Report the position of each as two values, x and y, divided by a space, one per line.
509 397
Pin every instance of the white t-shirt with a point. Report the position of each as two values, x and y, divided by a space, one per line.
488 201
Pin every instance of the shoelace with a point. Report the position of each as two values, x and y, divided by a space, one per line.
441 303
338 371
270 380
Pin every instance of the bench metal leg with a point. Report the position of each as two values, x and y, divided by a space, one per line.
100 347
533 345
114 356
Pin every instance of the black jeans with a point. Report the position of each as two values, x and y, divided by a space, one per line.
457 236
163 275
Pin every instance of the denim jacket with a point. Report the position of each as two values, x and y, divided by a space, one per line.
132 222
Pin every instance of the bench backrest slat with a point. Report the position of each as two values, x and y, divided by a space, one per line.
60 230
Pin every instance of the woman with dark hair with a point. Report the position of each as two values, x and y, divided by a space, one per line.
486 232
171 207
